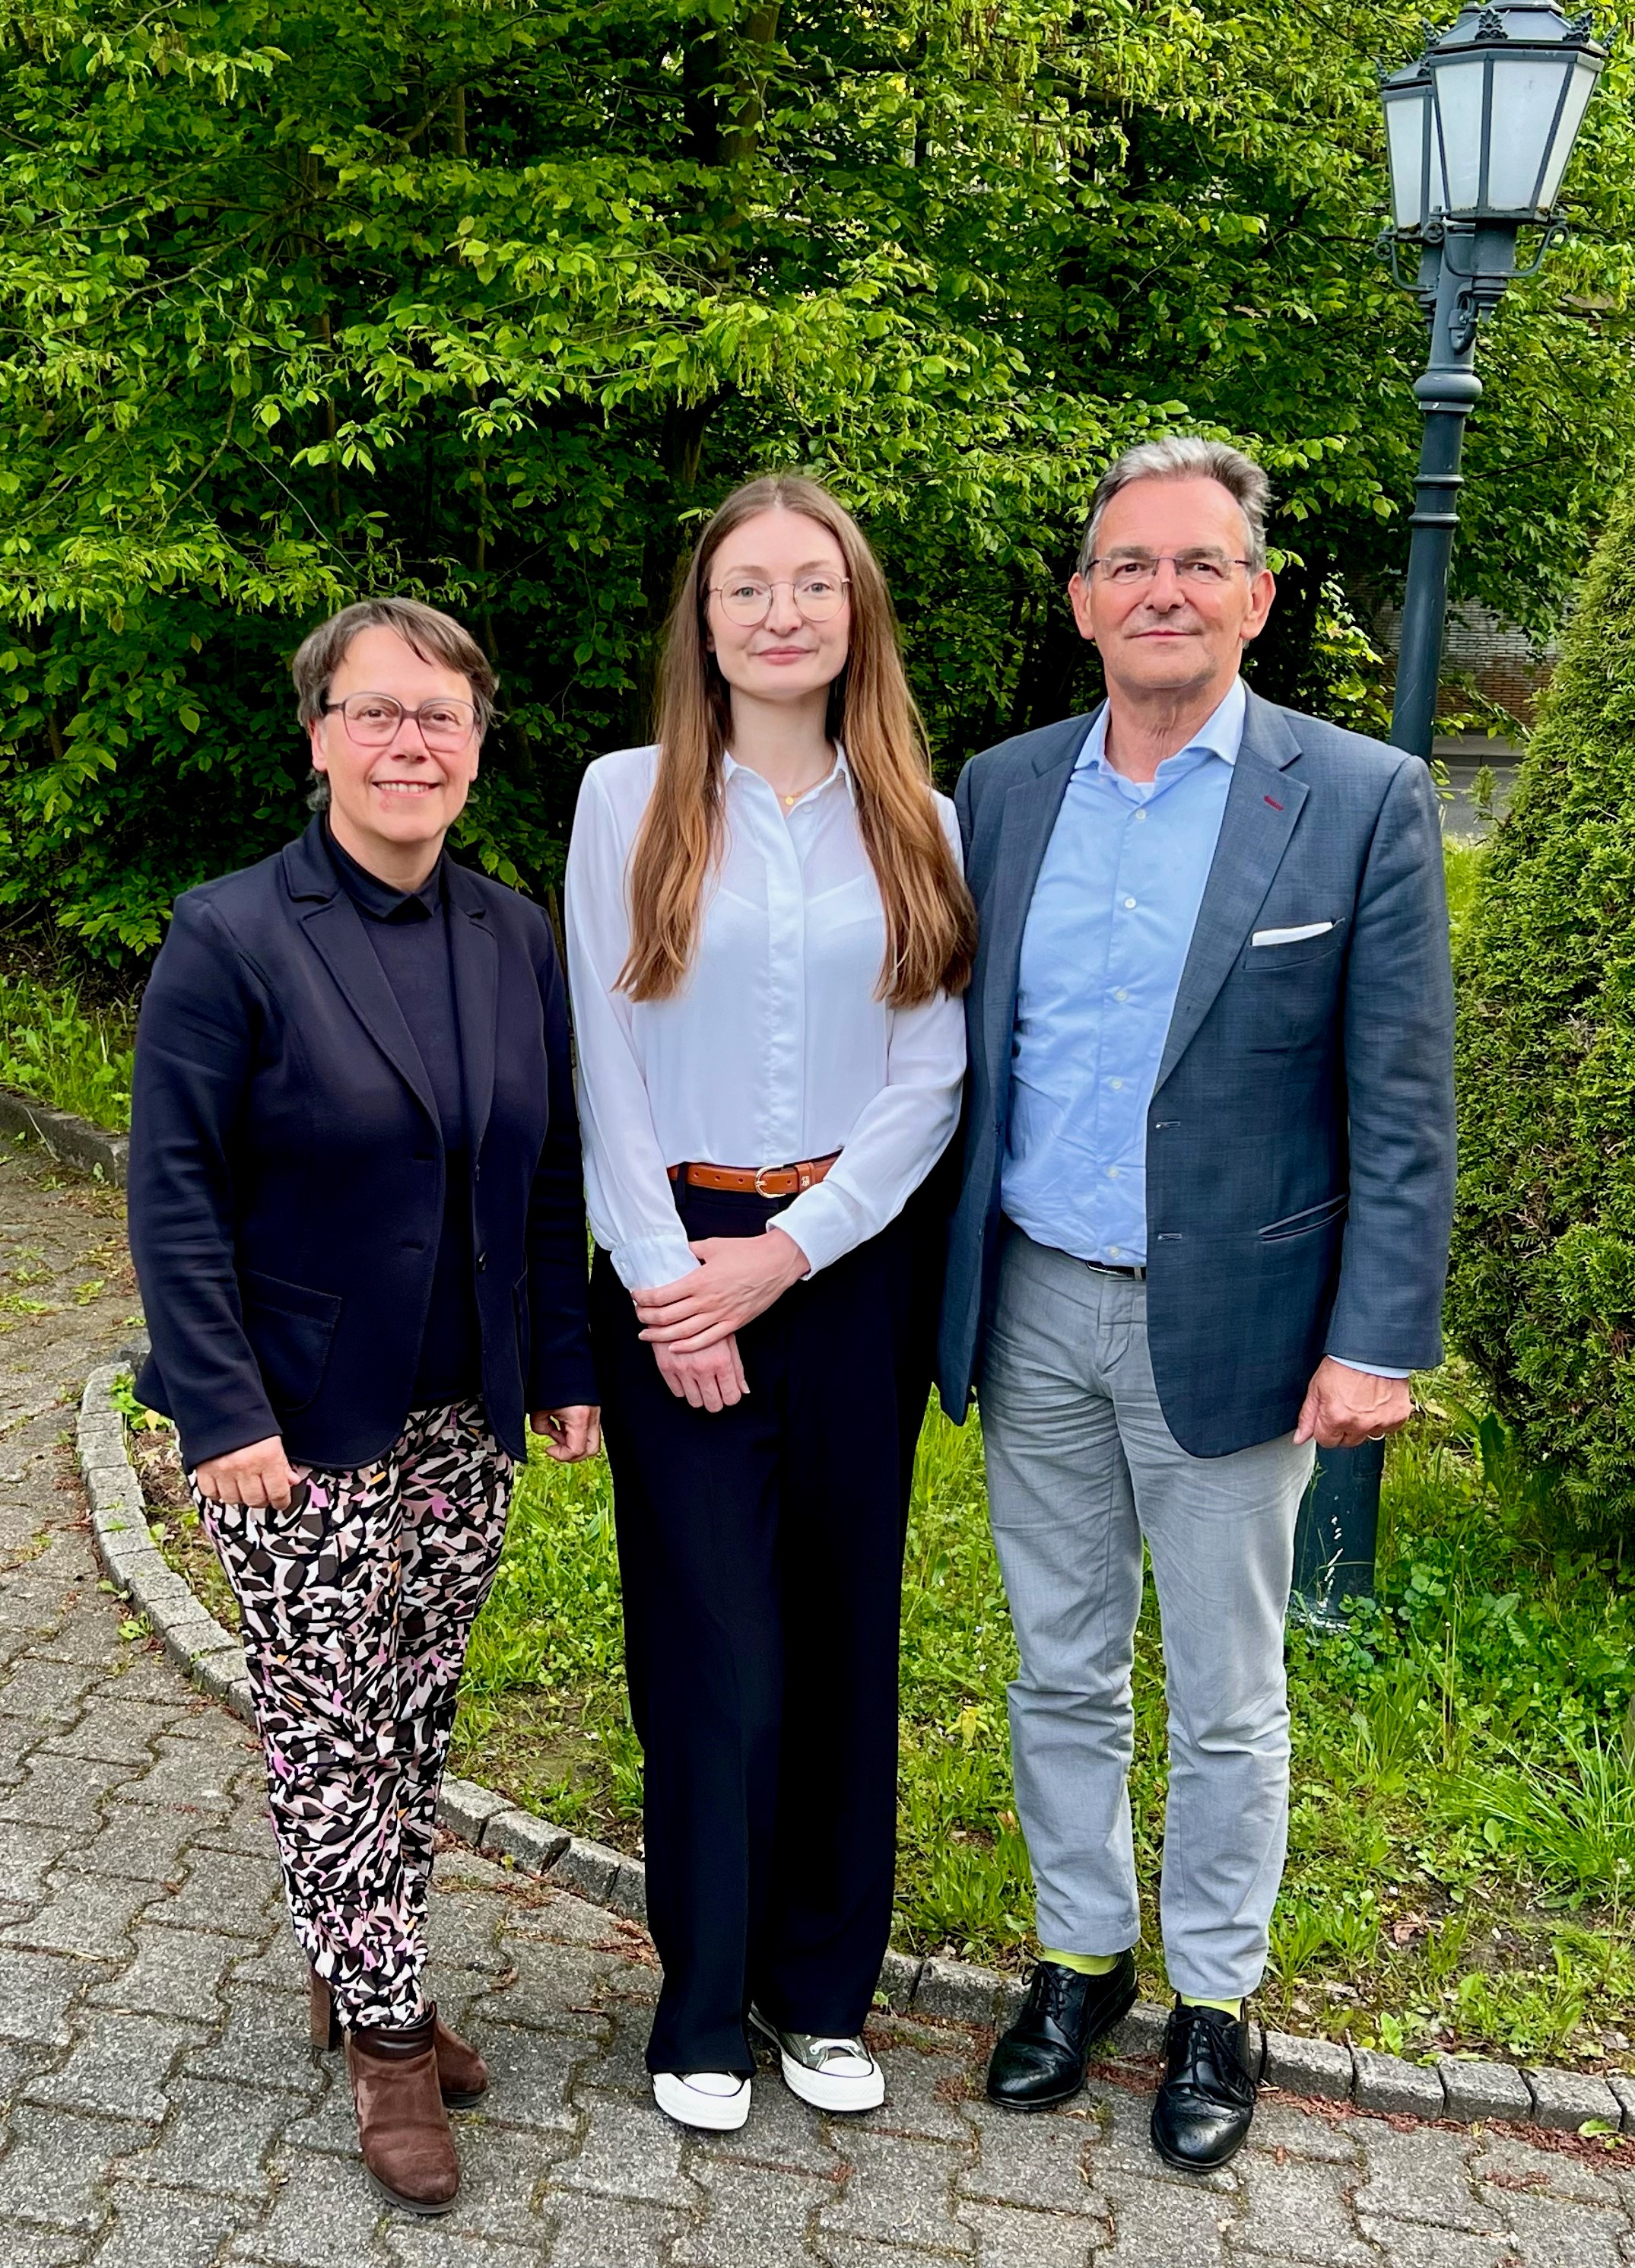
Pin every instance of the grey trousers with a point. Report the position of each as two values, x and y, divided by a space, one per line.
1081 1468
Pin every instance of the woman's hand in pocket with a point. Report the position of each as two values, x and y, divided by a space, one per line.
259 1474
713 1380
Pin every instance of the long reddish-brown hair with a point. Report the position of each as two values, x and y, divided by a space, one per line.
930 923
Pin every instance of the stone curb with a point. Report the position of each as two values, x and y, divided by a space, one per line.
941 1991
99 1153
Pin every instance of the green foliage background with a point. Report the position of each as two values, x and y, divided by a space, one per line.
490 301
1543 1290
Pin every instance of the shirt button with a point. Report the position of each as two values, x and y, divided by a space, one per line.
1112 1251
1130 905
1117 1085
1121 994
1112 1172
1140 815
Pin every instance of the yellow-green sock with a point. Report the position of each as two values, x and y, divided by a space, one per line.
1083 1964
1197 2000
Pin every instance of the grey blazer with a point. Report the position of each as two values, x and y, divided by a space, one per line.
1300 1147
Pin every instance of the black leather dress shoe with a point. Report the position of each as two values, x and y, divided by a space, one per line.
1040 2060
1207 2098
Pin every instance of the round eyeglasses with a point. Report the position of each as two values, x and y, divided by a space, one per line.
747 601
372 720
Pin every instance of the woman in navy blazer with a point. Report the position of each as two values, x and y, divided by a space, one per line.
357 1216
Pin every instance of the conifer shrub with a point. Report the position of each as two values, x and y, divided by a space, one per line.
1542 1296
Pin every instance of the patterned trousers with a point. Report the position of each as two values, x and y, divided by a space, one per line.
357 1601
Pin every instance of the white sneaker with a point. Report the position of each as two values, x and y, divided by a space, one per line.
719 2101
830 2074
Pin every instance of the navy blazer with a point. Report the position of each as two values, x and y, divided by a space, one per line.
286 1168
1299 1141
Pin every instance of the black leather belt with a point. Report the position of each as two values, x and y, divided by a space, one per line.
1106 1268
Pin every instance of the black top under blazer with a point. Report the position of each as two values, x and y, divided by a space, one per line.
1301 1138
286 1168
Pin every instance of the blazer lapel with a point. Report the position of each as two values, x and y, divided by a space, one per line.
476 952
1025 823
1262 805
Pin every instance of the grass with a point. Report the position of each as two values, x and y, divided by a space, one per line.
65 1053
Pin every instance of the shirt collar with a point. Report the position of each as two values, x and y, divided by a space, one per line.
842 774
1220 734
379 899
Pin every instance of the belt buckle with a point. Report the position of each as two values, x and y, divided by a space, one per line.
761 1174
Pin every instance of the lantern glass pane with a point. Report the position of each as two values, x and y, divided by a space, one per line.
1583 76
1527 93
1460 88
1407 116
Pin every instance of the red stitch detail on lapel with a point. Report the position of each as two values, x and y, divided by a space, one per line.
1275 806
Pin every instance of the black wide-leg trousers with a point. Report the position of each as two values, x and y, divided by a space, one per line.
760 1555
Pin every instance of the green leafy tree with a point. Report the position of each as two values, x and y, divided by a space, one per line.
490 302
1542 1296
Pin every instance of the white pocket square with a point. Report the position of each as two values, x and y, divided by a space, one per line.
1290 936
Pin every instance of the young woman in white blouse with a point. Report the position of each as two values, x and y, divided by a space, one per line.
767 930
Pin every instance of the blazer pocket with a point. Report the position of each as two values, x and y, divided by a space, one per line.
290 1328
1301 1224
524 1319
1276 950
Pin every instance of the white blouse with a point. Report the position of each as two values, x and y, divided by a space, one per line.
775 1048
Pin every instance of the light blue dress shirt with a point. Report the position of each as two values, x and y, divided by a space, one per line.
1107 938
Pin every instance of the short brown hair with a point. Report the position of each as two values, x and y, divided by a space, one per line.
434 636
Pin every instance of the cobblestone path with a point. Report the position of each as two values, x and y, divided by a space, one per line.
161 2109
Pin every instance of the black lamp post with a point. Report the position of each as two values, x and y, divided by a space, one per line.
1479 132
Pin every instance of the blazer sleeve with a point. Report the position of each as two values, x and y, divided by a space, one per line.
203 1015
560 1372
1399 1087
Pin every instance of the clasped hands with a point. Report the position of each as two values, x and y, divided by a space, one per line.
692 1324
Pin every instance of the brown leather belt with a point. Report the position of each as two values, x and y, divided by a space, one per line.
757 1180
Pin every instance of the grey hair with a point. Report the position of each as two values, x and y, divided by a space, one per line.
434 636
1182 457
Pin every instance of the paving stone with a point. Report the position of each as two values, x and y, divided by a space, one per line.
529 2073
466 1929
1299 2211
324 2215
953 1991
590 1868
36 1991
1125 2146
595 2233
1550 2234
115 1731
503 2183
1513 2167
1424 2176
1032 2161
1315 2067
1477 2090
175 1973
754 2215
1387 2083
48 1693
562 1919
164 2229
1567 2100
87 1914
463 1807
1410 2244
183 1773
39 2248
1139 2035
246 1831
216 2139
60 1792
534 1843
223 1892
1335 2142
27 1855
924 2096
420 2244
782 2131
899 1973
118 2066
279 1965
1009 2236
899 2193
853 2252
552 1982
331 2124
263 2043
629 2150
1157 2221
137 1846
1624 2089
54 2170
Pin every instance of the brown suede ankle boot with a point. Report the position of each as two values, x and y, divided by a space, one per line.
462 2073
402 2127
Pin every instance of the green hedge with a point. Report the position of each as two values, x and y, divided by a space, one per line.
1543 1291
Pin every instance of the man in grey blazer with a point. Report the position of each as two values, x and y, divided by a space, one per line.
1202 1231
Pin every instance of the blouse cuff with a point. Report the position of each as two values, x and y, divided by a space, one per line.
646 1262
823 1224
